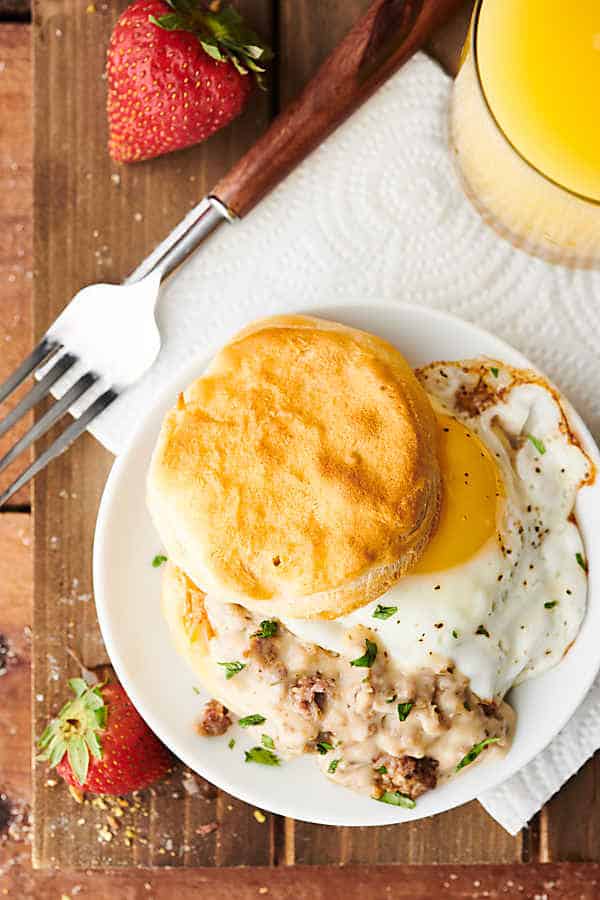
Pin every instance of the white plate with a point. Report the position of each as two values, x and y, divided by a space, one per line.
160 683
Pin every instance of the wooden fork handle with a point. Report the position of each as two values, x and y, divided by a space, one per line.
381 41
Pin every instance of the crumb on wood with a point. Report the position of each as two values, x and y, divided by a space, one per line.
190 784
116 818
204 830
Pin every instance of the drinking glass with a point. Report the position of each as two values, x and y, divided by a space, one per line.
525 124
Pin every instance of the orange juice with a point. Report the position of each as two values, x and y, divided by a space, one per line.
525 124
539 62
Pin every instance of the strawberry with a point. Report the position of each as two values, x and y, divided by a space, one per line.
177 72
100 743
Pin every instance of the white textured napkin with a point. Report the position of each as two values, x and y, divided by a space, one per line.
377 213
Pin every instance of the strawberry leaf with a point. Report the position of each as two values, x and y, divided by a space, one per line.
64 709
46 737
170 22
212 50
79 758
93 743
238 65
254 52
78 685
94 699
222 33
73 731
57 749
252 65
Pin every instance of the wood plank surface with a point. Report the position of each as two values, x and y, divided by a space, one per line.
16 591
446 44
466 834
15 721
535 882
569 822
15 656
15 216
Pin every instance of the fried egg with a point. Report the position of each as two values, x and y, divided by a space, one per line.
501 588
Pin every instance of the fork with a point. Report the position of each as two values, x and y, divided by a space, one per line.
85 331
85 361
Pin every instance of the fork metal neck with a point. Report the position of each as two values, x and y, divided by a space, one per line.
199 223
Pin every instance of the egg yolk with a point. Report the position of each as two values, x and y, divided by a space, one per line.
471 492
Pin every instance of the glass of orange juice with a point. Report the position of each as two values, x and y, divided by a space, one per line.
525 124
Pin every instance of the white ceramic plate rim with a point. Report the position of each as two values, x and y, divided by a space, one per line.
279 793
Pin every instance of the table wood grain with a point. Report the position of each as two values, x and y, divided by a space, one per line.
94 220
15 215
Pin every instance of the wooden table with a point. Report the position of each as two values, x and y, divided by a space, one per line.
94 221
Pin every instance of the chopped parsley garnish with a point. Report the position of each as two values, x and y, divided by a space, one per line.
254 719
333 765
381 770
495 372
262 756
395 798
581 561
391 700
474 752
267 629
324 747
158 560
368 658
268 742
539 445
384 612
231 744
455 634
196 690
483 630
404 709
232 668
551 604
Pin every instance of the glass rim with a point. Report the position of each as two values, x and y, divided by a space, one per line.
473 47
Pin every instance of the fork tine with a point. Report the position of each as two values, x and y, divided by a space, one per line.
37 392
45 348
52 415
62 442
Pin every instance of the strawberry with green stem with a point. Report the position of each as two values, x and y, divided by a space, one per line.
178 70
99 742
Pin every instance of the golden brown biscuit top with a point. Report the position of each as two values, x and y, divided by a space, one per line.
302 460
